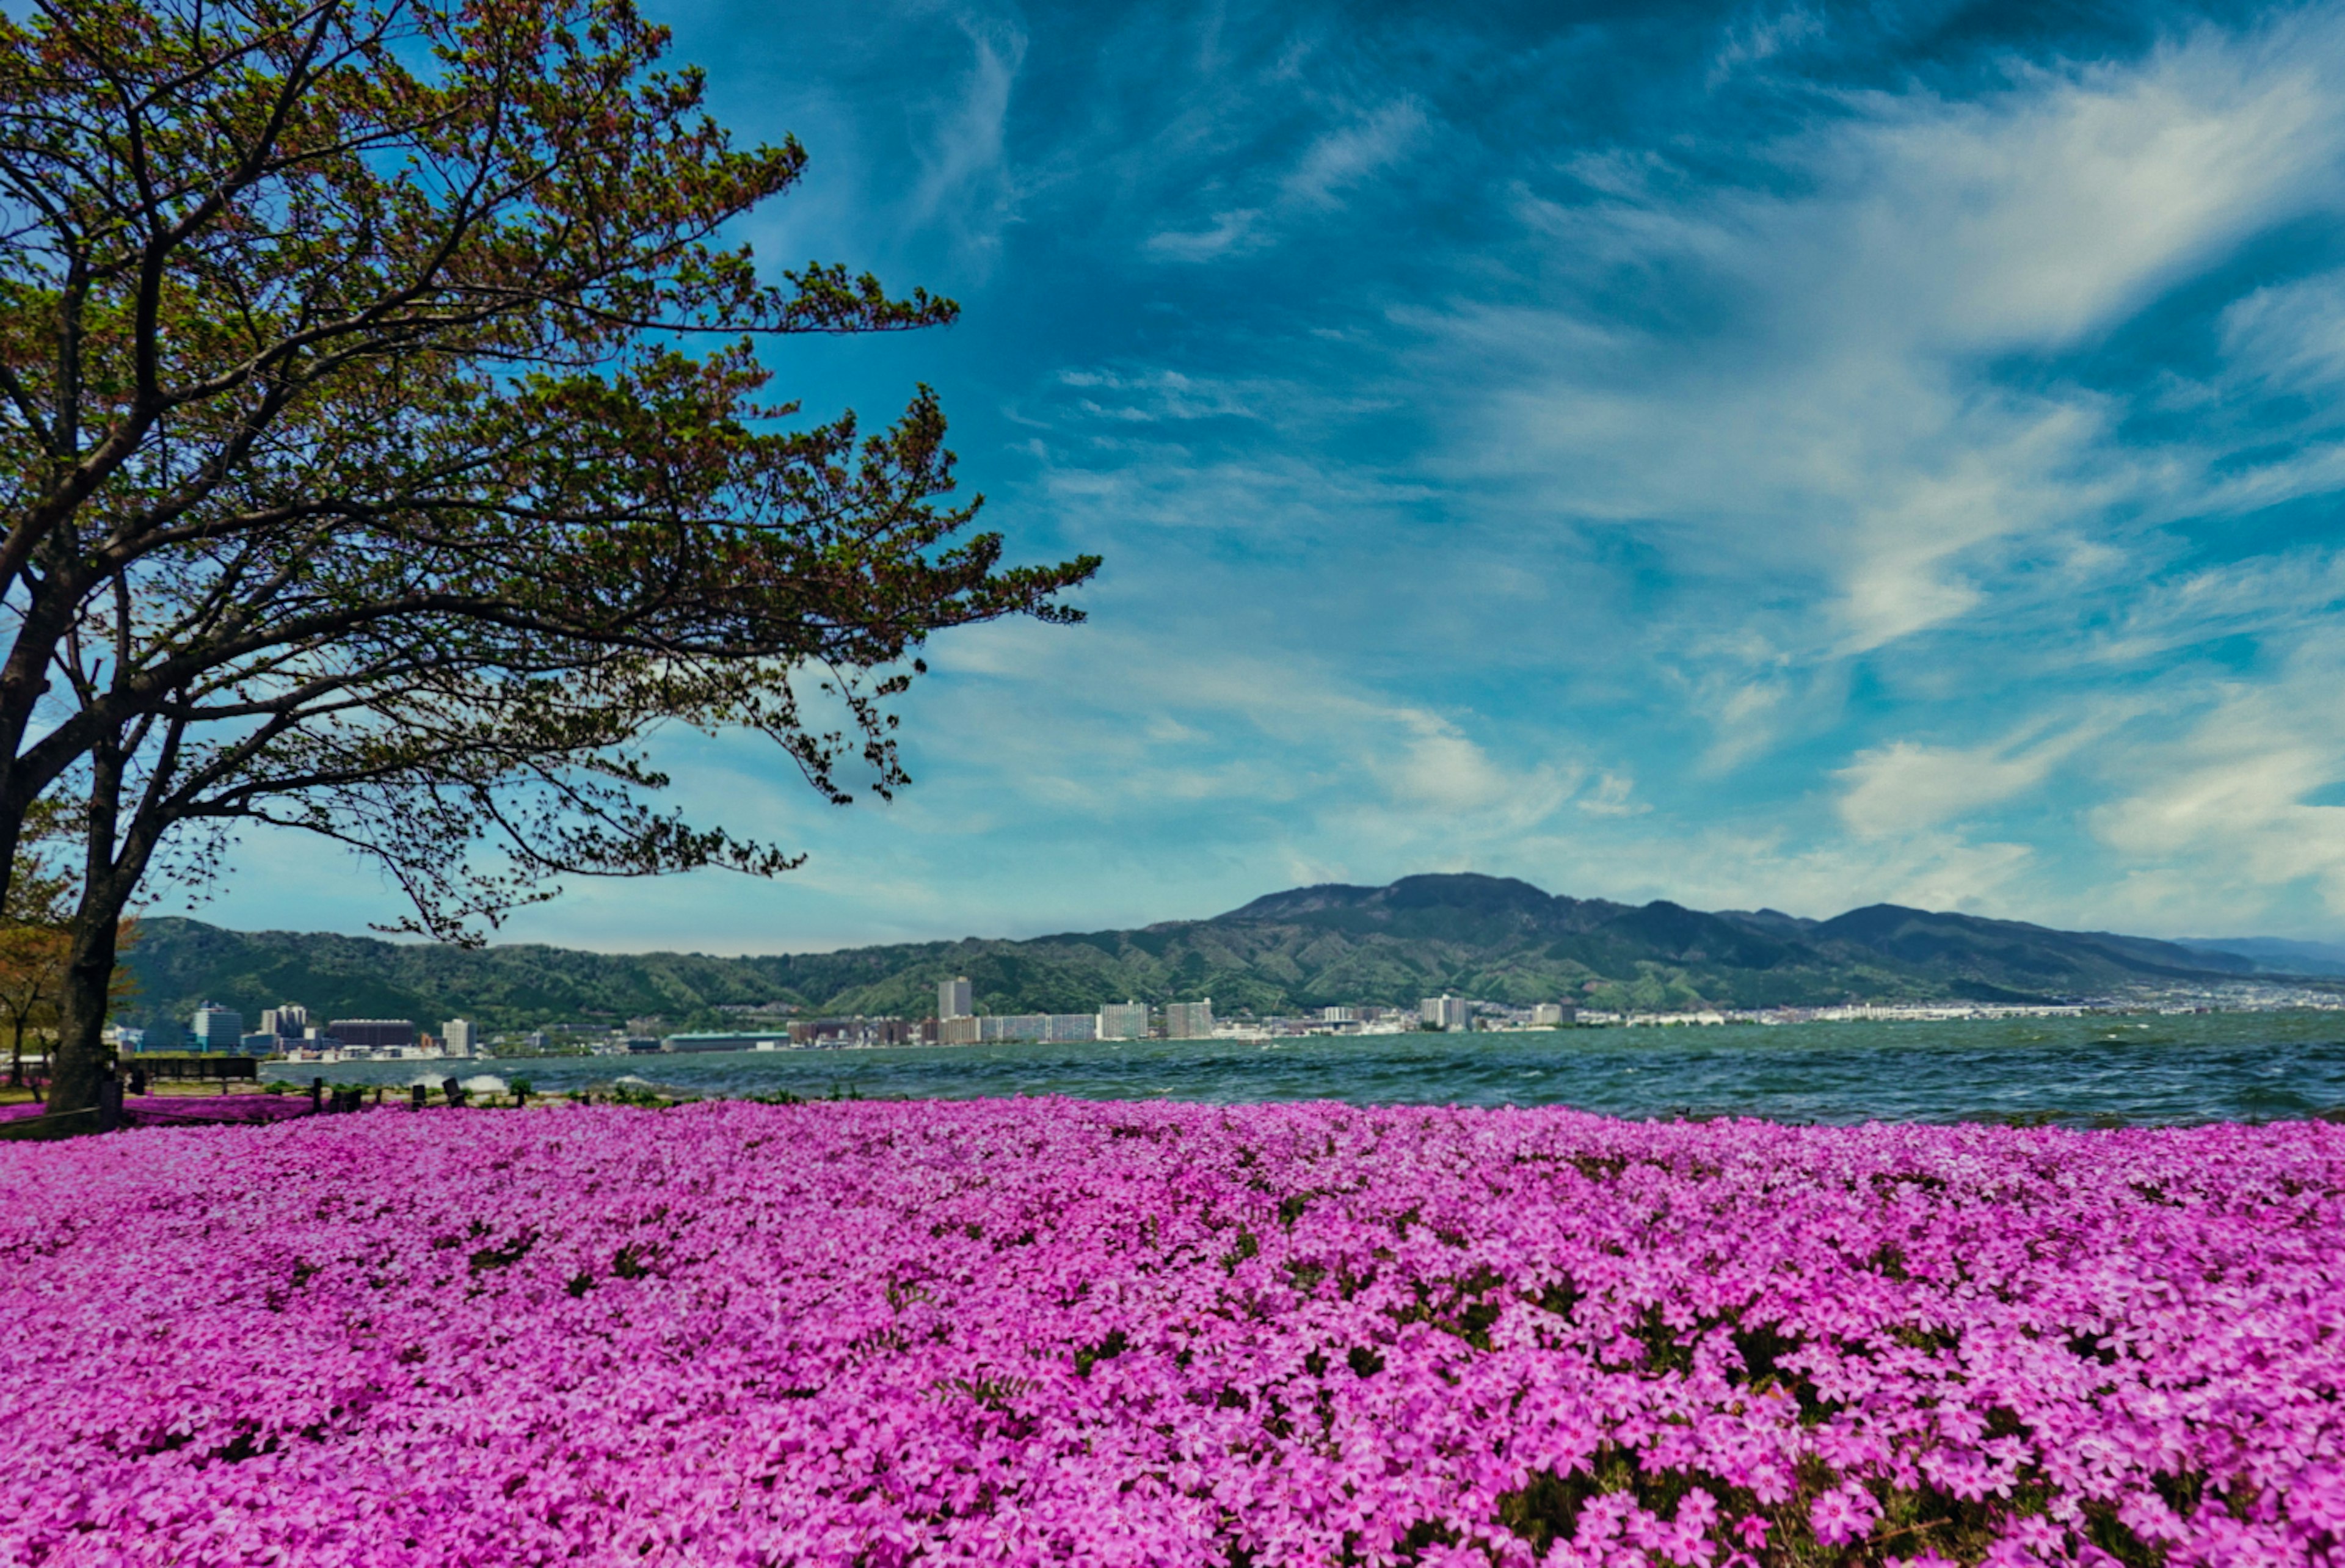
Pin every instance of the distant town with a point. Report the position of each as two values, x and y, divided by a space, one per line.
287 1033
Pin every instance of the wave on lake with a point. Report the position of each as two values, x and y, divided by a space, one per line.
2107 1068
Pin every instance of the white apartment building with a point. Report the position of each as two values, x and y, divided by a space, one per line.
1445 1012
1038 1027
1189 1020
459 1038
1124 1021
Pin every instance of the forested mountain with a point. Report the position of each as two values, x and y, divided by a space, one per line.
1492 937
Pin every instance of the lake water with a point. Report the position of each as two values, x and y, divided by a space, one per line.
2243 1066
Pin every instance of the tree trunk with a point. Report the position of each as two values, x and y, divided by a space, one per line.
83 1060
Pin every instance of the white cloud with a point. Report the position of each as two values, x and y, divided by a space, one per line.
1335 160
1156 396
1226 234
2291 335
1733 866
2034 216
1247 728
1904 787
2224 800
1612 796
2284 598
1343 157
967 180
1835 431
1759 38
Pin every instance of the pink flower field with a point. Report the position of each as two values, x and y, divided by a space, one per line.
172 1110
1050 1331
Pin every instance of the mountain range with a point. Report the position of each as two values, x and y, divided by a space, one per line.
1492 937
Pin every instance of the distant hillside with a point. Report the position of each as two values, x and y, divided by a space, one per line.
2276 954
1493 938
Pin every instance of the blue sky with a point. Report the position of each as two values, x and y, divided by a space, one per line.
1745 455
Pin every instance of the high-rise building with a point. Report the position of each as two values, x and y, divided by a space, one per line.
1189 1020
1339 1015
953 998
961 1031
1124 1021
459 1038
1556 1012
287 1020
1445 1013
217 1029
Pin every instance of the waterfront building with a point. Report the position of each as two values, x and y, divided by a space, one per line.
771 1040
374 1034
1339 1015
1038 1029
953 998
811 1034
217 1029
1447 1012
287 1021
1189 1020
458 1038
1556 1012
1124 1021
262 1043
958 1031
857 1030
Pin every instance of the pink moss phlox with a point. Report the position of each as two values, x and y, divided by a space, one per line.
1047 1330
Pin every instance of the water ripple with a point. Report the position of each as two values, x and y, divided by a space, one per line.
2204 1068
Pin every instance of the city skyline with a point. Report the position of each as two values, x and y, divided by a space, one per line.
287 1034
1801 459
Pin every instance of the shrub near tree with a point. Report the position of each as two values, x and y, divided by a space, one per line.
374 471
33 946
36 936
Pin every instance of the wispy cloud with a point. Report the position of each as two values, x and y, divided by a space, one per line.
1346 155
967 181
2241 798
1756 39
1840 421
1906 787
1350 148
